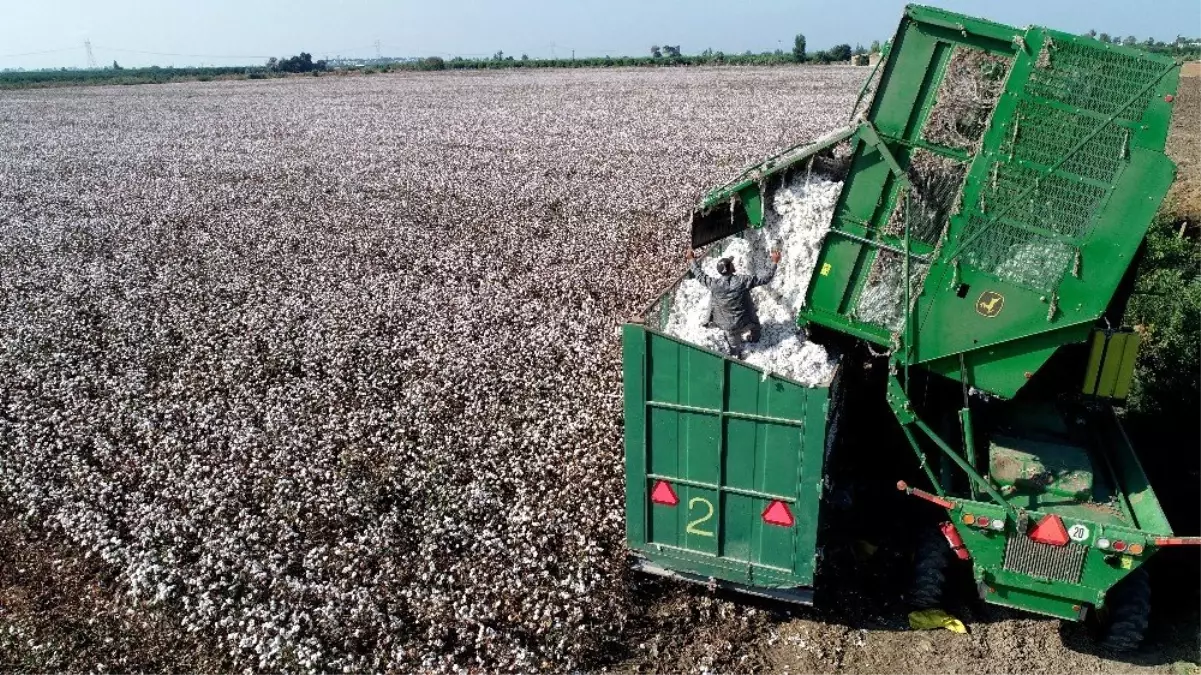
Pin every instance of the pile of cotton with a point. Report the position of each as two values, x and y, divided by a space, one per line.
795 225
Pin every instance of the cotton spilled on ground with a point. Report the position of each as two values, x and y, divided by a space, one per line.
796 224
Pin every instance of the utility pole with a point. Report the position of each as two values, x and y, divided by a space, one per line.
87 47
378 55
573 56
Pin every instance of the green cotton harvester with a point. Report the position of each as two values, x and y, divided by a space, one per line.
997 186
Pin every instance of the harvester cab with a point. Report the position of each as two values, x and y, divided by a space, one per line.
999 184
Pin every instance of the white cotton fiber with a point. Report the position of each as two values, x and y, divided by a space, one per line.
795 225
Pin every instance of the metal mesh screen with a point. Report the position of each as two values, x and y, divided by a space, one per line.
1017 255
966 97
882 300
1044 135
1057 204
935 185
1094 79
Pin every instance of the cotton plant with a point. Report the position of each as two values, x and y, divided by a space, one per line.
324 367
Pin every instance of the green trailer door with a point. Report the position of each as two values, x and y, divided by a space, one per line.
723 467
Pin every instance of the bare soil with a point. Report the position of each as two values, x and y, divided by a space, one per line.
1184 146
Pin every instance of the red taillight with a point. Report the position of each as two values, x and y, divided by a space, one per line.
663 494
777 513
982 521
1119 546
1050 530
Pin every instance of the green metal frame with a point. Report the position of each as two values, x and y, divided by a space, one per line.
997 351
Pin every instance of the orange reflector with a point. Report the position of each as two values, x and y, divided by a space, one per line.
663 494
968 519
777 513
1050 530
1135 549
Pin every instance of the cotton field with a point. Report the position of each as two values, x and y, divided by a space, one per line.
328 367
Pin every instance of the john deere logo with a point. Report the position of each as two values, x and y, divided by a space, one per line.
990 304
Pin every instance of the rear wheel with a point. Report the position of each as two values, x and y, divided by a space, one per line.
930 561
1123 621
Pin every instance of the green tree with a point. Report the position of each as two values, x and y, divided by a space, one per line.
875 48
302 63
1166 309
671 52
798 48
116 66
1103 37
859 49
656 53
1130 41
840 53
1092 34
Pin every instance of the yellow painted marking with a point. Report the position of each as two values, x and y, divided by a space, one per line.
990 304
694 526
1126 562
826 267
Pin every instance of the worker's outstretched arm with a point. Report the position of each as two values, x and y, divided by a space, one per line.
697 272
764 279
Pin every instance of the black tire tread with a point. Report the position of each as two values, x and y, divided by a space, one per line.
930 561
1128 613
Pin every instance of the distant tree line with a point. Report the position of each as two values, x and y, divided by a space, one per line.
61 77
660 55
1183 47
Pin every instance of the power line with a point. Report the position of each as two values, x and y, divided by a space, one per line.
47 51
87 47
188 56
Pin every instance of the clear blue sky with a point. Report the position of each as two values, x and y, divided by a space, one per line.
235 32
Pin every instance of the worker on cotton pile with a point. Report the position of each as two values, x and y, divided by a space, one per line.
731 308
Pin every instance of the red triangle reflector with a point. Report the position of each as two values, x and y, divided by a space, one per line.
777 513
663 494
1050 530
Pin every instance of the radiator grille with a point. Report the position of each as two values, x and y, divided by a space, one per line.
1058 563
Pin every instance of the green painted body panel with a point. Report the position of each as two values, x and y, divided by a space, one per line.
730 442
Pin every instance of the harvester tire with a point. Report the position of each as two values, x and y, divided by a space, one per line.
1123 621
930 561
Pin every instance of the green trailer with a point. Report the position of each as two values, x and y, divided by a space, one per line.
724 464
1000 184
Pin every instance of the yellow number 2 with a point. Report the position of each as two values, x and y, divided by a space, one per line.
694 526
